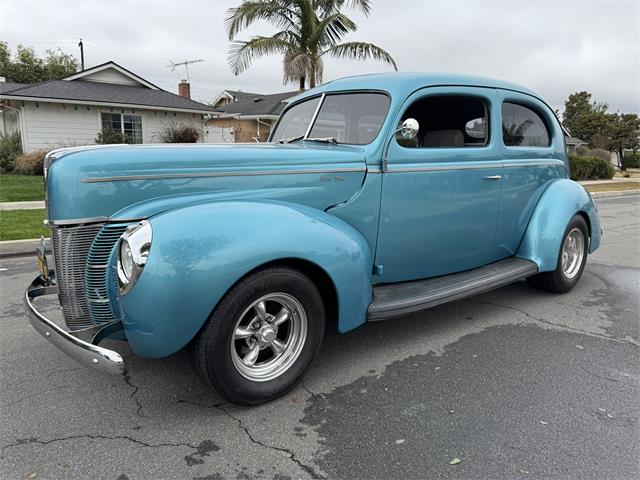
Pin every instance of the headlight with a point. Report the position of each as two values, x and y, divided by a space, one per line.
133 252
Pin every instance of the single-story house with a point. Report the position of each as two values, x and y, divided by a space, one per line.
73 110
245 117
573 143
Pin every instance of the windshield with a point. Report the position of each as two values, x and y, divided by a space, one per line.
354 118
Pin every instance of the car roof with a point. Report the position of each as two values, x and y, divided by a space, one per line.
403 83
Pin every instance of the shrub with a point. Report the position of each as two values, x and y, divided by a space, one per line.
31 163
598 153
590 168
581 151
10 148
108 136
179 133
631 161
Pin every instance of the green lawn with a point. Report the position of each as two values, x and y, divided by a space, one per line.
21 188
22 224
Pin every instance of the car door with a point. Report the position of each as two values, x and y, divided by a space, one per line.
441 193
533 152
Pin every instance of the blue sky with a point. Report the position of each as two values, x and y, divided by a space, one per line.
554 47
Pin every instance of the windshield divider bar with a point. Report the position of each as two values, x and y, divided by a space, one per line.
313 119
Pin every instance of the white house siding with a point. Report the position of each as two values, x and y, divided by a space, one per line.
45 125
110 76
48 124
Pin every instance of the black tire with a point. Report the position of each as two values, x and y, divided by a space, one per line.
213 355
556 281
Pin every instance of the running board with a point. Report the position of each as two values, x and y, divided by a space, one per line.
396 299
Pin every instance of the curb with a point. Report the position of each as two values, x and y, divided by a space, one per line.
615 193
22 248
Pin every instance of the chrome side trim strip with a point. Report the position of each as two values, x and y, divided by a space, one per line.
477 166
85 221
164 176
438 168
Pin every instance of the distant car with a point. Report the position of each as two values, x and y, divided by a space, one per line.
376 197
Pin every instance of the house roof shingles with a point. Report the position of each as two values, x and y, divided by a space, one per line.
9 86
109 93
256 104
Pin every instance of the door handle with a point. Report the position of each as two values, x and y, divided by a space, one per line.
493 177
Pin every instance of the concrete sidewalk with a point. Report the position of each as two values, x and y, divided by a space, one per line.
22 205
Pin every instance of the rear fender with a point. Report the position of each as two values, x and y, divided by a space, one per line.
199 252
557 205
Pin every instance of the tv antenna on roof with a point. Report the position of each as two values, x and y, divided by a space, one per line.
185 63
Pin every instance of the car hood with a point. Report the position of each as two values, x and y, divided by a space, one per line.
140 181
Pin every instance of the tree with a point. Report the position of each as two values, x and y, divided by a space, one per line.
625 133
586 120
25 66
308 30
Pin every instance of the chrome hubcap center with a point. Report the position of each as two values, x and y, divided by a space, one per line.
267 334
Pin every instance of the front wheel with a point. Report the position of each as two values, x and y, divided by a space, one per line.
571 260
261 337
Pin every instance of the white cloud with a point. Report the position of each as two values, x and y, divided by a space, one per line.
553 47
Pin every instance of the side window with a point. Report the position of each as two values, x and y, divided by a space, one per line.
522 127
448 121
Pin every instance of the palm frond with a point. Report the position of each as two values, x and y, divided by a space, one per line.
242 54
331 29
330 6
361 51
278 13
296 64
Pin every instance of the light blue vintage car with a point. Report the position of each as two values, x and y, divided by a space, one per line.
376 196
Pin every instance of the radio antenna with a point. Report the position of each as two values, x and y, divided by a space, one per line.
186 64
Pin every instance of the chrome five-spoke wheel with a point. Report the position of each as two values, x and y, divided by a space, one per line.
262 336
572 253
268 337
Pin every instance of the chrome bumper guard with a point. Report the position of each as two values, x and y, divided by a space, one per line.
81 344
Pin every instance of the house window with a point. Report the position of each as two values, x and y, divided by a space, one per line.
127 124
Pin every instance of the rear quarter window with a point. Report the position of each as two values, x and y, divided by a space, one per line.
523 127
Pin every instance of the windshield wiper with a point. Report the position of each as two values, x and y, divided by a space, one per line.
291 139
323 139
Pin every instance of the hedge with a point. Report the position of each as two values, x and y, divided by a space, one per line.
631 161
590 168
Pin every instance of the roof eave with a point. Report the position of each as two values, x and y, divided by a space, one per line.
105 104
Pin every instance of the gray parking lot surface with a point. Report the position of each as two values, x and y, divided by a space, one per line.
515 383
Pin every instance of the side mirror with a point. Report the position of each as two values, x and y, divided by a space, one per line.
409 129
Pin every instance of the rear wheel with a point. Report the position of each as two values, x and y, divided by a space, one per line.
261 337
571 260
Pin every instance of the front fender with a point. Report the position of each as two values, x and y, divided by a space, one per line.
199 252
558 204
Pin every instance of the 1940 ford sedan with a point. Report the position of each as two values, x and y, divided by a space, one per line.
376 196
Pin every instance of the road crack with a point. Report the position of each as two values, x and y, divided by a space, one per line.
32 440
557 325
285 451
127 380
32 395
606 378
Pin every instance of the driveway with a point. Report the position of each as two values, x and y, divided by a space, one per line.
515 383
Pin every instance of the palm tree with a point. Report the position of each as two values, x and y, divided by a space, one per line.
308 30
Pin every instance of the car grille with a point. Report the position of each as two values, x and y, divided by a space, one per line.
71 246
97 288
81 254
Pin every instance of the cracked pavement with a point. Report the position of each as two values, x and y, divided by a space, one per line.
515 383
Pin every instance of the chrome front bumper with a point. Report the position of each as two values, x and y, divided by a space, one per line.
81 344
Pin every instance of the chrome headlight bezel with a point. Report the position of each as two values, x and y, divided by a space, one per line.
133 251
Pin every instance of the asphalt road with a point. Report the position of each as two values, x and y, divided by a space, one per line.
515 383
